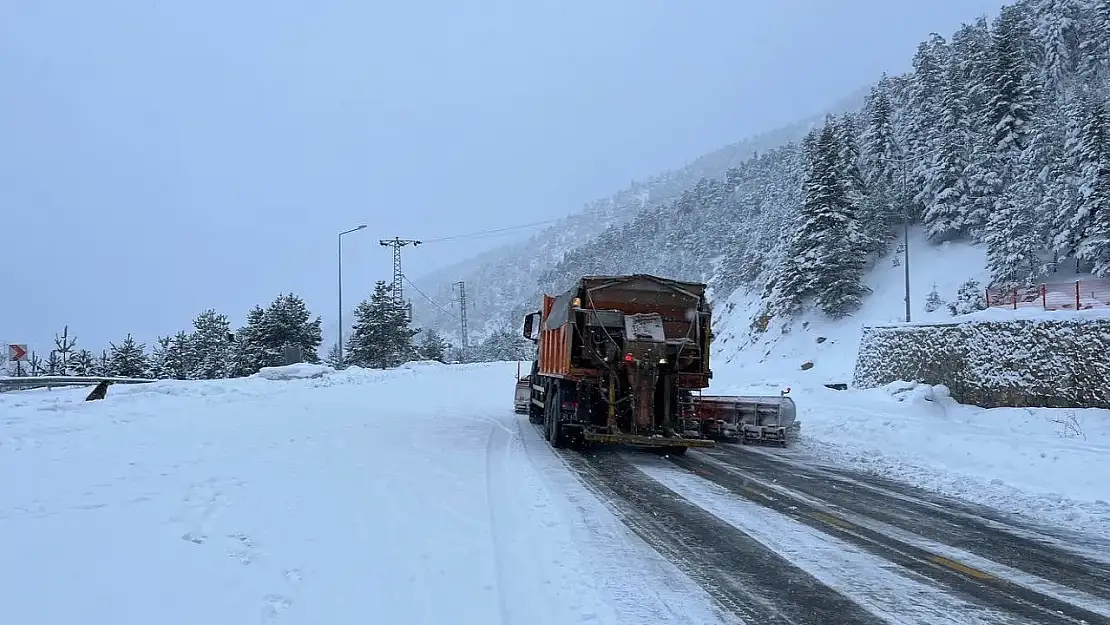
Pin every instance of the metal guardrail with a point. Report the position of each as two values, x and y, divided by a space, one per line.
51 381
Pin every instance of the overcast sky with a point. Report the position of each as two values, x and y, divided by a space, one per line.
160 157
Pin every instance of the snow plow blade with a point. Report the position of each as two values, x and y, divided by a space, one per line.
647 441
749 418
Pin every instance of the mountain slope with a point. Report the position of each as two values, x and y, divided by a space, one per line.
504 282
999 136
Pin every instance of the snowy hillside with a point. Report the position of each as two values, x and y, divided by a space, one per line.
777 354
995 137
501 283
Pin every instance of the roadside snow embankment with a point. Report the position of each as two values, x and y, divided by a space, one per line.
1049 464
306 495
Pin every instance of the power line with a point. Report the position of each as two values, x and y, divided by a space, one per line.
494 231
430 300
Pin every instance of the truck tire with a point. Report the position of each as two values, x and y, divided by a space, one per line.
555 436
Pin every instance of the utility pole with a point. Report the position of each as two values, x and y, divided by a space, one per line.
355 229
906 234
398 276
462 317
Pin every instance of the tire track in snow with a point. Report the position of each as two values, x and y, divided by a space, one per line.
980 586
931 520
494 500
747 578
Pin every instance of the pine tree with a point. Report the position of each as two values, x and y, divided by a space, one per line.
159 368
249 350
210 343
433 347
287 322
1012 91
53 364
969 299
381 337
83 363
333 358
102 366
1093 217
128 359
947 198
180 358
933 300
63 345
826 263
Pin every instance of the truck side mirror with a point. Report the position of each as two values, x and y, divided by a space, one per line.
529 325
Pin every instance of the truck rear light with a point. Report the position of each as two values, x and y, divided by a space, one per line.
628 357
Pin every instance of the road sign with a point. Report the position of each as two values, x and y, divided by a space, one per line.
17 352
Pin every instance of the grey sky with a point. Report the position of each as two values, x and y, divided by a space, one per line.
212 149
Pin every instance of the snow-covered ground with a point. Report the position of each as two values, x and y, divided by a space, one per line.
407 496
1049 464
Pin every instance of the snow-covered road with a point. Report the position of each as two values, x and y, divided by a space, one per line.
417 496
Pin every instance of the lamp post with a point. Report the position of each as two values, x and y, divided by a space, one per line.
906 235
901 160
340 238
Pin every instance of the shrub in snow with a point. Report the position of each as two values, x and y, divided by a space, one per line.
969 299
933 300
1050 362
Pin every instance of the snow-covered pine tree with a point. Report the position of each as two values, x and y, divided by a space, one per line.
288 322
433 346
158 358
933 300
83 363
211 345
249 349
924 128
381 337
947 199
1056 29
825 261
333 358
63 345
1092 220
1094 47
969 299
180 358
53 364
102 365
1012 88
128 359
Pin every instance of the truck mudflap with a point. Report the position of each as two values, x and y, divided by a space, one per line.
646 441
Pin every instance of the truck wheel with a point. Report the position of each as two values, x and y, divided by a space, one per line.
557 438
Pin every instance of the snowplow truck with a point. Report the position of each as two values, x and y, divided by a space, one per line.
617 359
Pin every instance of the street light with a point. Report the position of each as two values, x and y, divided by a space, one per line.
901 160
340 237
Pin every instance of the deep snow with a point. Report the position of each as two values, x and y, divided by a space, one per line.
305 495
1051 465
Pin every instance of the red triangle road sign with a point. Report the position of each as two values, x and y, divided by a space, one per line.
17 352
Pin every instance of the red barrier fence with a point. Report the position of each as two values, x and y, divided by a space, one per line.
1074 295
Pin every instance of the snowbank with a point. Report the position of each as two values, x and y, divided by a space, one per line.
299 371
